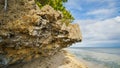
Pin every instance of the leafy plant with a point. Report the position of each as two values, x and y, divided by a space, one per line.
57 5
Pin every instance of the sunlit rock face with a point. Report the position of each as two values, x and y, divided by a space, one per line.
27 32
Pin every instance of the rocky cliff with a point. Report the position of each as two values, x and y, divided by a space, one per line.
27 32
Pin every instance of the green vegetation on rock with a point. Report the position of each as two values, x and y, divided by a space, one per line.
57 5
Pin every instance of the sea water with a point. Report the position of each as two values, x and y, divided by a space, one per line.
98 57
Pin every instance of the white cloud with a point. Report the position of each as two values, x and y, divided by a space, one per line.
100 31
101 11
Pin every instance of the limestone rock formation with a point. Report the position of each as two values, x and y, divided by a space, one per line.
27 32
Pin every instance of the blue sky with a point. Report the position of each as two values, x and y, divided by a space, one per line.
99 21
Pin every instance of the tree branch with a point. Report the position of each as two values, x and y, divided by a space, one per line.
5 5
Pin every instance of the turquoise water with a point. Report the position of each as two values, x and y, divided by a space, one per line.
98 57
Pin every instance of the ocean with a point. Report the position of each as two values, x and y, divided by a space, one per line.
95 57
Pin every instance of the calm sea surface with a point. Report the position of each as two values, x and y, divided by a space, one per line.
98 57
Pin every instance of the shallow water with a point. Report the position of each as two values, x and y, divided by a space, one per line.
98 57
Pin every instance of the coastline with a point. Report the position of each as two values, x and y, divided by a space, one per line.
100 57
62 59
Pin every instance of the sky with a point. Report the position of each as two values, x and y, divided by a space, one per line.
99 21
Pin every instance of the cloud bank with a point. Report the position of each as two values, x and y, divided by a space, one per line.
99 21
96 32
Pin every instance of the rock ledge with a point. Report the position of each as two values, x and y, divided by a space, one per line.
26 32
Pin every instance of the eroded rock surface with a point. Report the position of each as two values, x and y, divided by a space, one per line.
26 32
